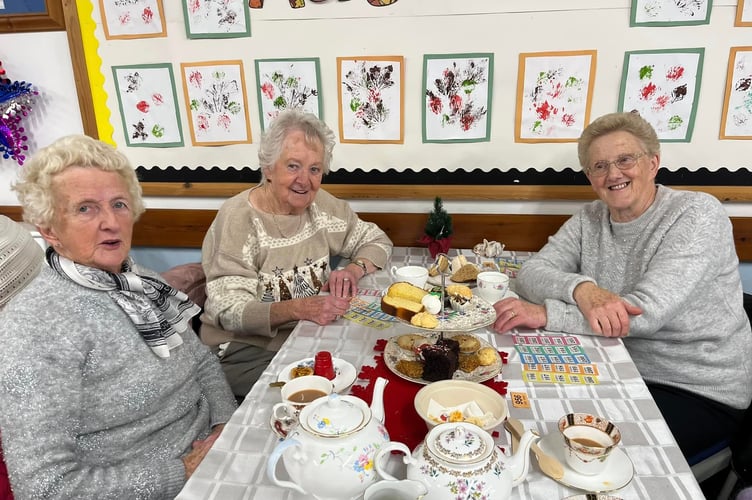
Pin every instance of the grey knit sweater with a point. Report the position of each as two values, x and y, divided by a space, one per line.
87 410
678 262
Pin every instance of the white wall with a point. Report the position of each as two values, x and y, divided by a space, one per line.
44 60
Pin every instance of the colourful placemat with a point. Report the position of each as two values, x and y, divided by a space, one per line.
401 420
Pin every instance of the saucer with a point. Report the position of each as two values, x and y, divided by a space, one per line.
344 372
617 474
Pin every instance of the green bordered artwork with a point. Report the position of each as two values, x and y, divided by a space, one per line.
288 83
456 97
225 19
148 105
663 86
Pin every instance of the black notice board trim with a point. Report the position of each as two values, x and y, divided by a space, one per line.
548 177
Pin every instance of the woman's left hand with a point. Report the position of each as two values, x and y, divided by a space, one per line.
200 448
511 313
342 283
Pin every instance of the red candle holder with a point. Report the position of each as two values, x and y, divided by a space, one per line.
323 365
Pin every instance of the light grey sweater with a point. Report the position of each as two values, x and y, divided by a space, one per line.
87 410
678 262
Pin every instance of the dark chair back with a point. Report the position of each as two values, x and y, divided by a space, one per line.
741 446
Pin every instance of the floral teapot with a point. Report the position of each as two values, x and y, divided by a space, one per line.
460 461
329 453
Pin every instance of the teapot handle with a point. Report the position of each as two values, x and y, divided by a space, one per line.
271 466
377 400
386 450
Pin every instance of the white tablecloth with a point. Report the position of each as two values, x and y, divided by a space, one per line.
235 468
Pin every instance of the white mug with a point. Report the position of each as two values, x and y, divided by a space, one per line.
492 286
415 275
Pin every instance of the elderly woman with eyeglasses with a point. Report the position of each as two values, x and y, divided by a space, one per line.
656 267
105 390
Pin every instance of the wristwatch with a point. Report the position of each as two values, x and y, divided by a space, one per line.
361 265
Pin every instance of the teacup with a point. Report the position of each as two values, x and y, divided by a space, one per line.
415 275
405 489
588 442
296 394
492 286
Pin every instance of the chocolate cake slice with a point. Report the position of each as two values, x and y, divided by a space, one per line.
440 360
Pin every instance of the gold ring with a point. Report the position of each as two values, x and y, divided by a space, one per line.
345 279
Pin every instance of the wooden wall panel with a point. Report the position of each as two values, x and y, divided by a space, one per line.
173 228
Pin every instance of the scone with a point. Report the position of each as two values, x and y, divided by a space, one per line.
468 343
425 320
487 356
410 341
468 272
461 290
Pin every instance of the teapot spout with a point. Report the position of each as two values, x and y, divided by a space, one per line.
519 464
377 400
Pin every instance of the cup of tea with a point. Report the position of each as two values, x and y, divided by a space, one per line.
492 286
588 441
296 394
415 275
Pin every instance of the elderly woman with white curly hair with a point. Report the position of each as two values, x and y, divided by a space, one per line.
267 254
105 391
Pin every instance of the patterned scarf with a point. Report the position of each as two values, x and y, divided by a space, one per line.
158 311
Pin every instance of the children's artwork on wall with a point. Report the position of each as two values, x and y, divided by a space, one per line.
216 18
217 103
371 99
457 97
288 83
148 105
663 86
554 94
670 12
743 13
736 120
132 19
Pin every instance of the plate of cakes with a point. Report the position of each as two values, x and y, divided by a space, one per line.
425 358
463 310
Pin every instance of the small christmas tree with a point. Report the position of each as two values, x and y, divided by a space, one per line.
438 231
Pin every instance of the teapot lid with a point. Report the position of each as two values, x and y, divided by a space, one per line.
335 415
460 443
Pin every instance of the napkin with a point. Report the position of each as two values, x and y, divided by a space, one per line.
466 412
400 418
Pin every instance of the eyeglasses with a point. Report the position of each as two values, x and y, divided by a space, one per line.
623 162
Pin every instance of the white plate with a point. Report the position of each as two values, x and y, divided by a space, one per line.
393 353
617 474
344 372
478 314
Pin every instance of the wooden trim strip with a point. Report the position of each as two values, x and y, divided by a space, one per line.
174 228
428 192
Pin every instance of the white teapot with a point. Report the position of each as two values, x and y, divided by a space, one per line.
330 452
459 461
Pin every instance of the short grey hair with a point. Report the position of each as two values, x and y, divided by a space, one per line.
34 189
289 120
614 122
